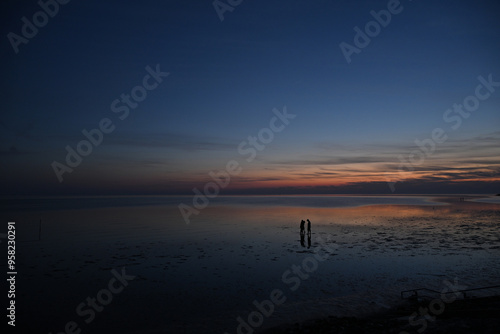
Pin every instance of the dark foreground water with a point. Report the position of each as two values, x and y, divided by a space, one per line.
132 265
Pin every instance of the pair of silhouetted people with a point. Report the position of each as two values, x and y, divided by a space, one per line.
302 223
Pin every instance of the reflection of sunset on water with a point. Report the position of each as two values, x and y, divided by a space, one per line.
448 207
237 248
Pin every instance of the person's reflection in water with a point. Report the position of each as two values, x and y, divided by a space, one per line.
309 240
302 241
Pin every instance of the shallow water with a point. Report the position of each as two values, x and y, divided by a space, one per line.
201 277
24 204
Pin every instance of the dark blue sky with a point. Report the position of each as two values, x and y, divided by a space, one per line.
353 119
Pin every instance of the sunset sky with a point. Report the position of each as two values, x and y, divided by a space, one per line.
353 123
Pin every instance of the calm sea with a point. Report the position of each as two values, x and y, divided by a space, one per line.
91 202
202 277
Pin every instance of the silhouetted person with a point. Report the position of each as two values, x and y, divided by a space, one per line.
302 223
309 240
308 227
302 241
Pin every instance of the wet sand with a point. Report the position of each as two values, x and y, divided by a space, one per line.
475 315
201 277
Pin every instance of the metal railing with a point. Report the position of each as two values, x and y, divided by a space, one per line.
415 292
